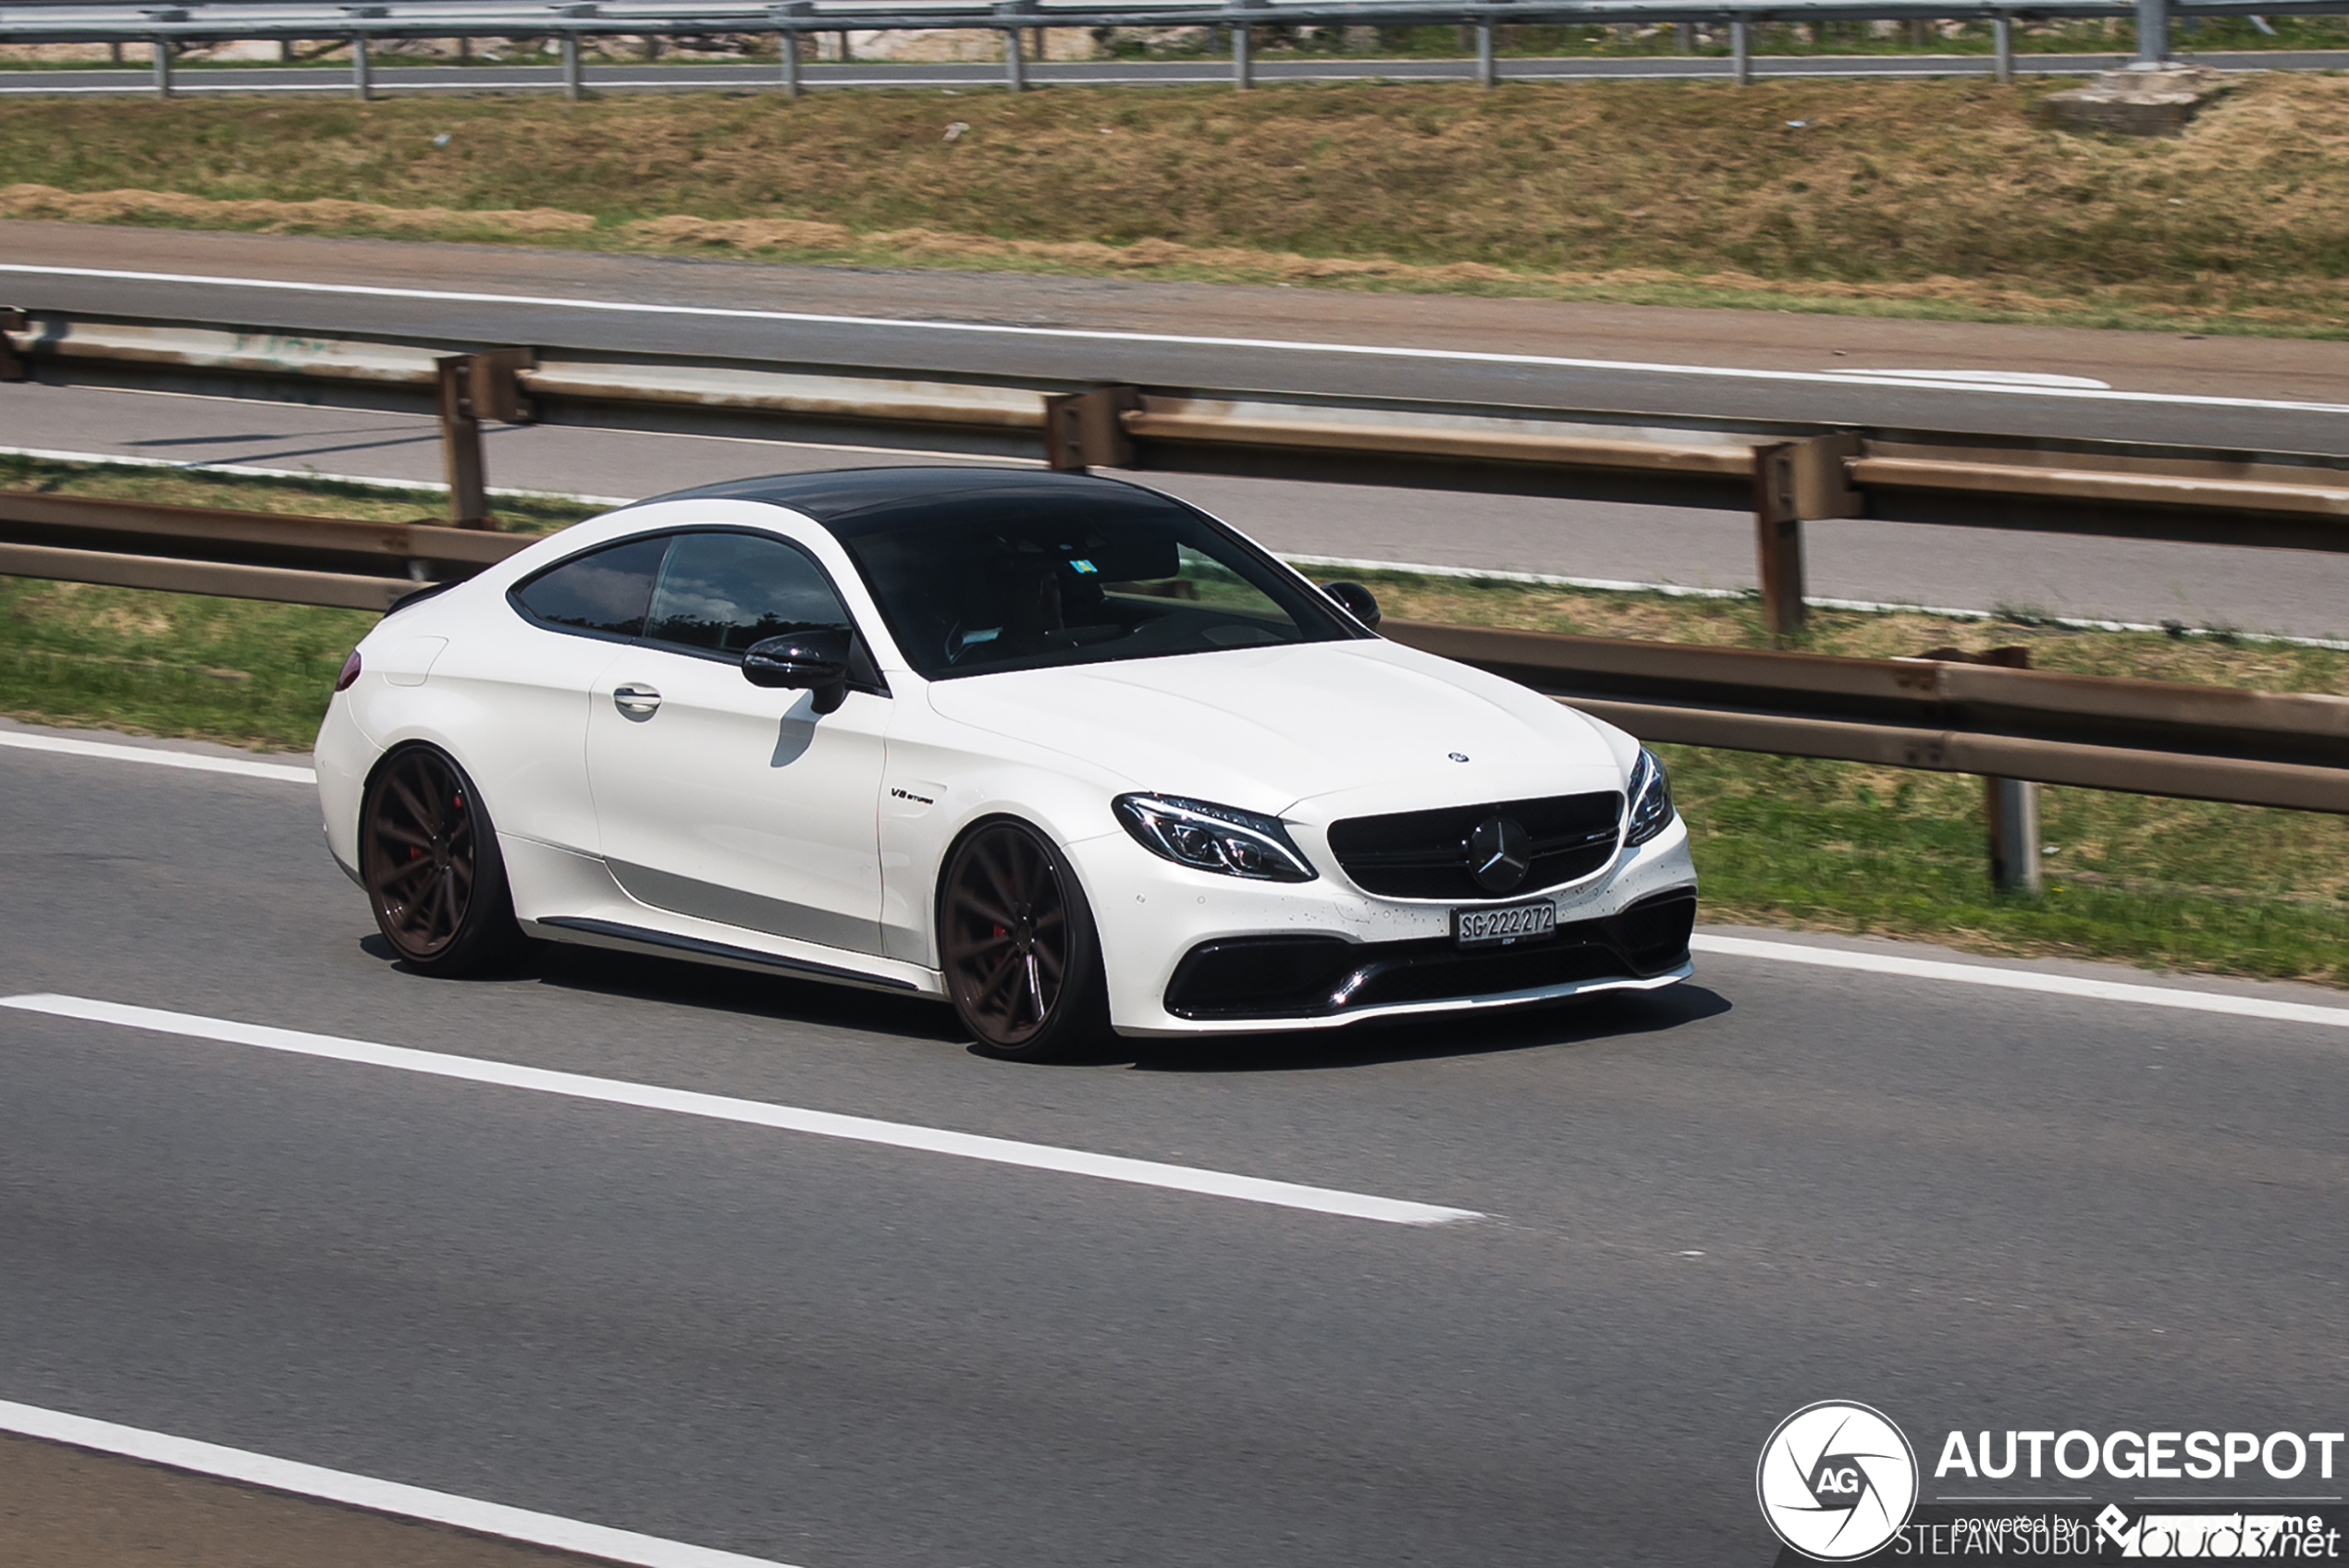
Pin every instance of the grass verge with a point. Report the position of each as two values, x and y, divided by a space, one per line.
1927 198
1779 840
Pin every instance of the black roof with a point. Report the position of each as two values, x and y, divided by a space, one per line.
856 500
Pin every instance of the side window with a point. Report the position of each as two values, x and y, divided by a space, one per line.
603 591
720 593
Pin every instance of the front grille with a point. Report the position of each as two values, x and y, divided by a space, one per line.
1277 977
1425 854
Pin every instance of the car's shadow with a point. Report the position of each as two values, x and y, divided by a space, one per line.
812 1004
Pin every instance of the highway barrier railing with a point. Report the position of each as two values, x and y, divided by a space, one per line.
2140 736
304 560
1782 473
2015 727
2100 732
168 29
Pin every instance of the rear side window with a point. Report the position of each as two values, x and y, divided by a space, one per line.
604 591
720 593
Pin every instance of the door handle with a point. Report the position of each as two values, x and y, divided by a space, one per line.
635 702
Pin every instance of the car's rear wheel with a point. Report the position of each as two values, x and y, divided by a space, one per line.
429 858
1016 939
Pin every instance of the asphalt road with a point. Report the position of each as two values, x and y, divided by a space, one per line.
1130 73
1775 1184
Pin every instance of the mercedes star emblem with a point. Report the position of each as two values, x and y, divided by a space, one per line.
1500 853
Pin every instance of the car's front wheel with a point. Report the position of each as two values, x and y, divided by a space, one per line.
429 858
1016 939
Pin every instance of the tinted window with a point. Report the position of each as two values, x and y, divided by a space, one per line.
720 593
1017 583
603 591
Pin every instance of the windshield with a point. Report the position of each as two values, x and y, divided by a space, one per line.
1024 582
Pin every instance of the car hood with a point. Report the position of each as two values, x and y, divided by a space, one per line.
1359 726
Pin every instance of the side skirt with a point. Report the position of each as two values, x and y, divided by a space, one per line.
611 933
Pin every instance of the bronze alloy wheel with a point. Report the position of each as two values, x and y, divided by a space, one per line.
1023 966
431 866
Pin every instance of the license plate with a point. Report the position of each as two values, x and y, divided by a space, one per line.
1510 923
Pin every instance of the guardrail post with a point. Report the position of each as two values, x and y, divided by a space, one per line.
573 88
461 445
2009 806
162 47
1086 430
1484 70
787 42
11 367
2013 808
1778 536
1243 43
362 76
474 388
1742 50
1015 61
2152 36
2002 30
1795 481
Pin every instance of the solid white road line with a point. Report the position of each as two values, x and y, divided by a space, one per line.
365 1491
755 1113
1991 377
279 772
1089 334
2025 980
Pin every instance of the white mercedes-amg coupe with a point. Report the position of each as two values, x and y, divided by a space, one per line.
1062 751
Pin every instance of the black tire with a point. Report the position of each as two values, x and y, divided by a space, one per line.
428 858
1017 944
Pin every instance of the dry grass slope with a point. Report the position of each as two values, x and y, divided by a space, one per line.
1944 197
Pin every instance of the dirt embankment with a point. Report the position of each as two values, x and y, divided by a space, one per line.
1943 196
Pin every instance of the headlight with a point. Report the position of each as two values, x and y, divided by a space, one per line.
1212 838
1651 796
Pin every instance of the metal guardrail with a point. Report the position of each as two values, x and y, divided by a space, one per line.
2015 726
166 29
2100 732
2143 737
1785 472
309 560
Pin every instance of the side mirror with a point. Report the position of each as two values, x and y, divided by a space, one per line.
1356 600
805 661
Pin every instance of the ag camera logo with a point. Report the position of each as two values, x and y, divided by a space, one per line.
1837 1480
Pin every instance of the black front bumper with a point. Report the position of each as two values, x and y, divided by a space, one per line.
1276 977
